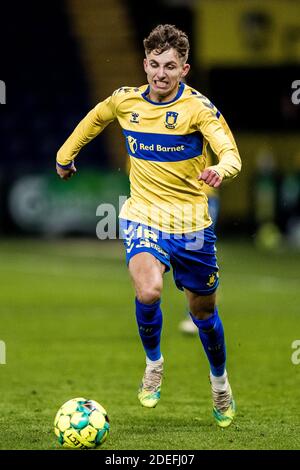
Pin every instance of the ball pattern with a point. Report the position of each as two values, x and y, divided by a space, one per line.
81 424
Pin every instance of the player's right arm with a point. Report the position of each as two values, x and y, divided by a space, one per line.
90 126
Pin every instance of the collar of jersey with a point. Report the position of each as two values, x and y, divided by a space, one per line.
178 95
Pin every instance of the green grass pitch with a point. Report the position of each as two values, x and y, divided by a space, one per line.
68 323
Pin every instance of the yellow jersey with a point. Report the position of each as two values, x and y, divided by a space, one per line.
167 145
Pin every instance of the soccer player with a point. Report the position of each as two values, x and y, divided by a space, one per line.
165 222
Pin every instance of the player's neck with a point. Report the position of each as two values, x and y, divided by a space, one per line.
157 98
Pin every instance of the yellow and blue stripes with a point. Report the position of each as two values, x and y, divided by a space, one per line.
163 147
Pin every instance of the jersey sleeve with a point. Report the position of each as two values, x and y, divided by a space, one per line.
90 126
217 133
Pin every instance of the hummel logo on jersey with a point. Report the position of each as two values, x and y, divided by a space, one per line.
135 118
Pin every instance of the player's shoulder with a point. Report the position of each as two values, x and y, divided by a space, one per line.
125 92
195 96
199 101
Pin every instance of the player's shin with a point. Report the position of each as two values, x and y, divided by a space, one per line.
149 320
211 333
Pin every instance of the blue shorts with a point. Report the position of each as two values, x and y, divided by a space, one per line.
191 255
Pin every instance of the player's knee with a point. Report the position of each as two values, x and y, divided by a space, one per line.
202 314
149 294
202 309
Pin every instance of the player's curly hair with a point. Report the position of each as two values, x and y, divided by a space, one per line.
165 37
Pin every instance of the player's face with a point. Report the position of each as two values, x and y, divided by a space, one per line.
164 72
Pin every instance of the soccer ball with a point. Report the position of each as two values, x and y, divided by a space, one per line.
81 424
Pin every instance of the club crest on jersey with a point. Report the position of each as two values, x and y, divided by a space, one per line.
171 119
132 144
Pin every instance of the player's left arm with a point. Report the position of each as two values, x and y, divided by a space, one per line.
217 133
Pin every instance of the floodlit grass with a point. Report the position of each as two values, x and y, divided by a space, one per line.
67 319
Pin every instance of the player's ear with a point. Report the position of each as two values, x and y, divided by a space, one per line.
145 64
185 70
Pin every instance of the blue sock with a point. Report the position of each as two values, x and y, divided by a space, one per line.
149 320
212 336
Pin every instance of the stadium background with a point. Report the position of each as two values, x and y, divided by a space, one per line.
58 59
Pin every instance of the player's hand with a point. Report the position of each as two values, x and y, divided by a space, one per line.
66 174
211 177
